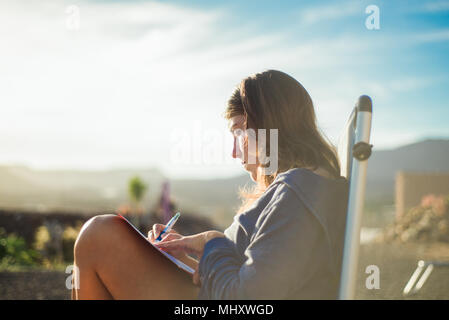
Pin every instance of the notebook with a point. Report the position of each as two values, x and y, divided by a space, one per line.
179 263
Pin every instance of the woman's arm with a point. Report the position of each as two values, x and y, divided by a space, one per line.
193 244
277 261
191 262
183 246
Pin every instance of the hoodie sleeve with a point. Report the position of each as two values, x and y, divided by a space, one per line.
275 261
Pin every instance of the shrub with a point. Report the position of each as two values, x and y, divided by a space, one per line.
55 243
42 237
68 241
14 251
428 221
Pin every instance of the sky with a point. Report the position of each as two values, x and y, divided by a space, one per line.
118 84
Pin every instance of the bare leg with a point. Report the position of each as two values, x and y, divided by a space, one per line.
117 263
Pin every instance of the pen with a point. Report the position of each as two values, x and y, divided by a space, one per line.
169 226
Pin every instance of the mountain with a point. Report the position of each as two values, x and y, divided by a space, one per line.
105 190
210 197
71 189
96 191
424 156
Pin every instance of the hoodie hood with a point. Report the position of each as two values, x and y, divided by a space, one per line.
311 190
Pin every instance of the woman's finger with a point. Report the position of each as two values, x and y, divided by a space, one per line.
196 278
170 236
176 245
158 228
165 237
150 236
185 244
171 244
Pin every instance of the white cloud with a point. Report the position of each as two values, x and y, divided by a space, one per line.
385 89
432 36
110 93
326 13
436 6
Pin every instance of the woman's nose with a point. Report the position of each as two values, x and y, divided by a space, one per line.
236 149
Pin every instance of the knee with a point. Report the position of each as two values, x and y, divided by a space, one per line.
96 232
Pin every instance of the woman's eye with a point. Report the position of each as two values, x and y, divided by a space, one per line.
238 133
240 145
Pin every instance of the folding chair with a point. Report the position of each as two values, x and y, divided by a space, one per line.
354 150
418 278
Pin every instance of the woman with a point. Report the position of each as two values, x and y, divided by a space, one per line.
286 240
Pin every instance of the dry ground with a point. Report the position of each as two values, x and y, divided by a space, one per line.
395 261
31 285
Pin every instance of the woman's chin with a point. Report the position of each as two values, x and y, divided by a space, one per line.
252 172
253 176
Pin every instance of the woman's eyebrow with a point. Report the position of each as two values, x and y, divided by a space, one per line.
233 127
236 126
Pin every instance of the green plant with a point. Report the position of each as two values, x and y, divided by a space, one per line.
42 237
136 189
68 241
14 251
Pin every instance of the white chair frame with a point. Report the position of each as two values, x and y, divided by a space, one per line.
354 151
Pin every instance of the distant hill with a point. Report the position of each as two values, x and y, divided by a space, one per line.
217 197
96 191
423 156
105 190
71 189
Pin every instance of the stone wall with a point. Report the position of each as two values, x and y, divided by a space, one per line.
412 186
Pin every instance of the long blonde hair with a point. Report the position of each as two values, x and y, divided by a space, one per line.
274 100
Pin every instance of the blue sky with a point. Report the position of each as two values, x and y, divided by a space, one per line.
138 77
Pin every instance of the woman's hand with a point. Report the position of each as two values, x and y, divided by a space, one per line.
171 235
193 244
175 252
156 231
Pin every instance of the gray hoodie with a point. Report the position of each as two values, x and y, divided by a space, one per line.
288 245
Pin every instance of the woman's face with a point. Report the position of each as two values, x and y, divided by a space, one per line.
240 149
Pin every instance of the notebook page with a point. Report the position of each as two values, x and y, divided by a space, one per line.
178 262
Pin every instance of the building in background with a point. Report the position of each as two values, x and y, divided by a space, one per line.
166 207
411 187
